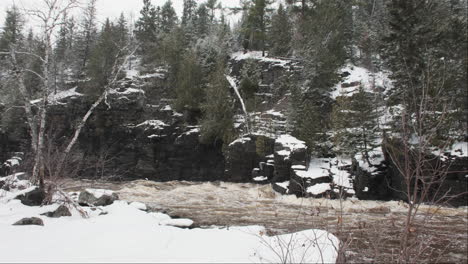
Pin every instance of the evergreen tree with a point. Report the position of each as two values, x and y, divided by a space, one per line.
189 12
63 50
103 58
212 5
168 17
217 120
172 51
147 30
423 63
255 24
188 90
354 123
309 124
324 49
87 36
33 45
202 21
280 33
12 28
121 31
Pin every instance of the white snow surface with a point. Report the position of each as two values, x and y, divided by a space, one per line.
458 149
260 178
376 157
341 177
291 142
154 124
362 75
240 140
55 97
317 168
257 55
13 162
126 91
319 188
126 234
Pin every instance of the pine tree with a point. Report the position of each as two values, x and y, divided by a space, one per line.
324 49
103 58
255 24
63 50
12 27
86 37
121 31
147 30
217 120
202 21
280 33
188 90
354 122
168 17
188 13
212 5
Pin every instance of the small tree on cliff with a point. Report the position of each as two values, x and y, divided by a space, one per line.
354 122
217 109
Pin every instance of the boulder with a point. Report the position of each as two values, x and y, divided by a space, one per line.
62 210
30 221
241 159
289 151
281 187
32 198
97 198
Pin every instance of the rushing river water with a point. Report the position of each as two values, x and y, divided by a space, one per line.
371 228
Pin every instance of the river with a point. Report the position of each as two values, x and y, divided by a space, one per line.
371 229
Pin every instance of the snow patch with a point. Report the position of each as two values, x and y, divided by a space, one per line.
257 55
55 97
153 124
318 188
362 76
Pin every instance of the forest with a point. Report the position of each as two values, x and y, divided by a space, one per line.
340 100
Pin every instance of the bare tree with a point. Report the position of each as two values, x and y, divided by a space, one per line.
422 169
49 17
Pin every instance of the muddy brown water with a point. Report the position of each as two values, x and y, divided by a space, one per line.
371 229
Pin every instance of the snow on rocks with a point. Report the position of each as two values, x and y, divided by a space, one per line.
54 98
356 76
126 91
97 197
153 124
241 140
290 144
376 157
257 55
318 189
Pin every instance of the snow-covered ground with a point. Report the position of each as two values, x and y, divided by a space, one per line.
363 77
257 55
123 232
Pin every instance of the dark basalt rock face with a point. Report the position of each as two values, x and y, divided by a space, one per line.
387 182
247 158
